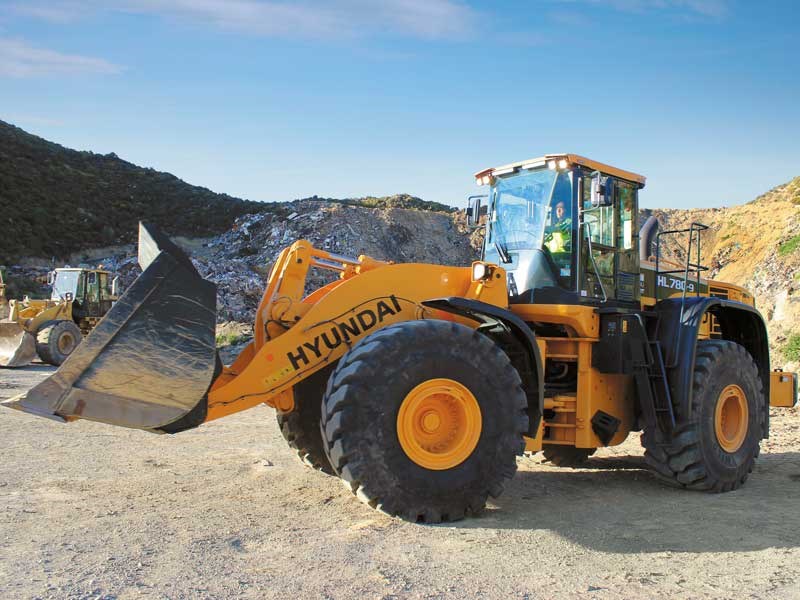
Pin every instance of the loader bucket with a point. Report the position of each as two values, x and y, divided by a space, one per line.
148 364
17 346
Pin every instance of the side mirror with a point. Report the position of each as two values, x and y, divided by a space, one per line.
115 286
474 206
51 278
601 190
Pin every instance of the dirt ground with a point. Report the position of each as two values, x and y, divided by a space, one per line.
227 511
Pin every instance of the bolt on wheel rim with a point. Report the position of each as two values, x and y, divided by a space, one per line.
439 424
731 417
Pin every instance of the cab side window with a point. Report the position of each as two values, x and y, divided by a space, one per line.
80 290
599 265
599 221
625 199
92 287
612 266
105 292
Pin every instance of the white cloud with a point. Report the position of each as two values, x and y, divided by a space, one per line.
708 8
63 11
20 59
432 19
427 18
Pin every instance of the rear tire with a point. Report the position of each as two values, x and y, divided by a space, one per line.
567 456
301 427
713 449
369 420
56 340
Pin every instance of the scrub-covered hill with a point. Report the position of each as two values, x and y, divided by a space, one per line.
56 201
756 245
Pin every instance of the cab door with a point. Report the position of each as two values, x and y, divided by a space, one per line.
92 304
105 294
609 244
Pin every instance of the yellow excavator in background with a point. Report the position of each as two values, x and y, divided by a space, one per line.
420 384
52 329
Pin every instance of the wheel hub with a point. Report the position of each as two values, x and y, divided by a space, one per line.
731 418
439 424
66 343
431 422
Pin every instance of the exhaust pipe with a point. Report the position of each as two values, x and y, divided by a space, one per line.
149 363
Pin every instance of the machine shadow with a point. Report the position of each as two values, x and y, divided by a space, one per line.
616 505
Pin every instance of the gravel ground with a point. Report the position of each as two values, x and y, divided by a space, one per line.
227 511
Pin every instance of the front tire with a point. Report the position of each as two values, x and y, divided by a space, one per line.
715 447
56 340
424 420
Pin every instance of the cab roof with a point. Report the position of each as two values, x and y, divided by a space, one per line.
572 159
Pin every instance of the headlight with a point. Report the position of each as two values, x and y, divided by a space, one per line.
479 271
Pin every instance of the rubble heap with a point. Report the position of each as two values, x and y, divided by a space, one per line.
239 261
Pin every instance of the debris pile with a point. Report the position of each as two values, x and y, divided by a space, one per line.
239 261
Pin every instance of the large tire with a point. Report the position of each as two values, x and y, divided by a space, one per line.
301 427
363 411
566 456
705 452
56 340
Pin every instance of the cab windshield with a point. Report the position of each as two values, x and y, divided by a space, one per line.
66 282
519 209
531 210
530 228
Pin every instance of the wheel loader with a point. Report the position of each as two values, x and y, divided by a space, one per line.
419 385
52 329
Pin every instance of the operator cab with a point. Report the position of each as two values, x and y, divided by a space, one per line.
564 228
91 291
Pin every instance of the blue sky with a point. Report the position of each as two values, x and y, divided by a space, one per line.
280 100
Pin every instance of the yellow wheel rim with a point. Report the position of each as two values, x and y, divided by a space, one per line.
731 418
439 424
66 342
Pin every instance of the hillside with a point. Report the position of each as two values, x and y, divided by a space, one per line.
55 201
756 245
395 201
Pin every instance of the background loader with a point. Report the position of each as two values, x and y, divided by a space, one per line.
419 384
53 328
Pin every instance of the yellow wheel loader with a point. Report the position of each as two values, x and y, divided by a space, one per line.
420 384
53 328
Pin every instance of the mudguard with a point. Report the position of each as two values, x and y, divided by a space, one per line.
506 328
678 328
